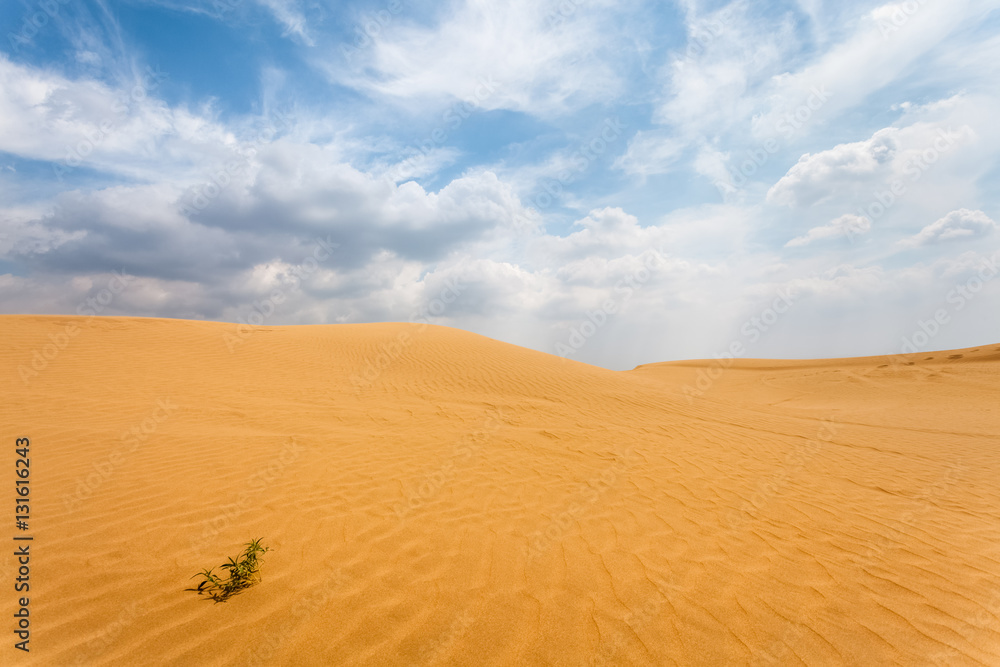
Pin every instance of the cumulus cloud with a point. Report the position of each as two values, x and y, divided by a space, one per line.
962 224
816 177
146 229
325 212
856 169
606 233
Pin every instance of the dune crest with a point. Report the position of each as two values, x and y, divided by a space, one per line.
432 496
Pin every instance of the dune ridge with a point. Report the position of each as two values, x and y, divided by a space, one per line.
433 496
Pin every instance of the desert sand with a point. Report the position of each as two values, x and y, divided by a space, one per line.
432 496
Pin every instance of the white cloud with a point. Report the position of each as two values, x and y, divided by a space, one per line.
650 153
877 54
711 163
527 276
607 232
23 234
124 131
498 55
745 79
711 87
847 226
962 224
420 164
855 169
817 177
288 14
302 186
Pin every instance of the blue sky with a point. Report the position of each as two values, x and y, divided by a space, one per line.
618 182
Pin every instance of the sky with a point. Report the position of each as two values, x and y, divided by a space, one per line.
616 182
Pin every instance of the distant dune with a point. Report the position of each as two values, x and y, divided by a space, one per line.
432 496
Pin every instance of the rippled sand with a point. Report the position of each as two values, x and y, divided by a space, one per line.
436 497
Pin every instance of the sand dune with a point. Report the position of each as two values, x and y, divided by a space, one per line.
436 497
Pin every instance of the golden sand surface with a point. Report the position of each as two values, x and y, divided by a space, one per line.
432 496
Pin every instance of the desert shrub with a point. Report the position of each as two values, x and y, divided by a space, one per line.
243 571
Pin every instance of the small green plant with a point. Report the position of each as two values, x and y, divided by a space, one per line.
244 571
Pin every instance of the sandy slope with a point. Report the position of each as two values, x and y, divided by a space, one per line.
473 502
